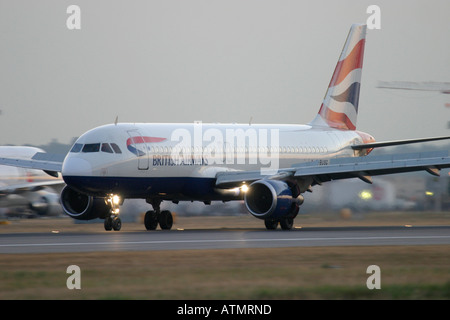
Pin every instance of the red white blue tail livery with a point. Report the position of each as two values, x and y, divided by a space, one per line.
340 106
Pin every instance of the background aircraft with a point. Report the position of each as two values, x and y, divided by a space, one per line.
25 191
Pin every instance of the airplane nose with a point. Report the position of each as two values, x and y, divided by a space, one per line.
76 167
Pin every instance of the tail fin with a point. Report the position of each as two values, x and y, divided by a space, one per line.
340 106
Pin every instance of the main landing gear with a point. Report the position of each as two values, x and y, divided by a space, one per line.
285 223
155 216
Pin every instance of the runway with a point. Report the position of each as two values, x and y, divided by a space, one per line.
221 238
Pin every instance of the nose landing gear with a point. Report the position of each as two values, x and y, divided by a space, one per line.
113 222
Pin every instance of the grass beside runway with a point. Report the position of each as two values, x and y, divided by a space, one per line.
407 272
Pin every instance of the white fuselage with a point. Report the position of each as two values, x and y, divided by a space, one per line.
178 161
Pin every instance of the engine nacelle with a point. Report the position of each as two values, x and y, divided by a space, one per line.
81 206
272 199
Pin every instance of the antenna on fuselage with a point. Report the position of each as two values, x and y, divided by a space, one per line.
117 119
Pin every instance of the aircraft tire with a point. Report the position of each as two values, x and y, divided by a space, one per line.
116 223
271 224
108 224
150 220
165 220
287 223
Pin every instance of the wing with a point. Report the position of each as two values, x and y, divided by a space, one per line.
50 163
365 167
395 143
344 168
56 184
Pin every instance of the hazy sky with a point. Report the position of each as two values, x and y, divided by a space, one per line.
214 61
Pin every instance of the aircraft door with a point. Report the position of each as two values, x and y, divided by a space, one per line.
139 147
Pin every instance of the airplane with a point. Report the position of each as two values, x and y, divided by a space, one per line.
29 189
268 166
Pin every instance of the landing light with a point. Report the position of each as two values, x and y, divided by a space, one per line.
365 195
244 188
116 200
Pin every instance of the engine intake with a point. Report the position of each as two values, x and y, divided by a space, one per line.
81 206
272 199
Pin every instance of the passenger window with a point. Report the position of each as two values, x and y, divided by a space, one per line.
91 147
116 148
106 148
76 147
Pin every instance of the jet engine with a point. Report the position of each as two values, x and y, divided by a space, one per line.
81 206
272 199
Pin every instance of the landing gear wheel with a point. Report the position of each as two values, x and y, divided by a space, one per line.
287 223
155 216
150 220
271 224
108 224
116 223
165 220
113 223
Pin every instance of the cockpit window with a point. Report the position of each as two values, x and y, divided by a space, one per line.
106 148
76 147
116 148
96 147
91 147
